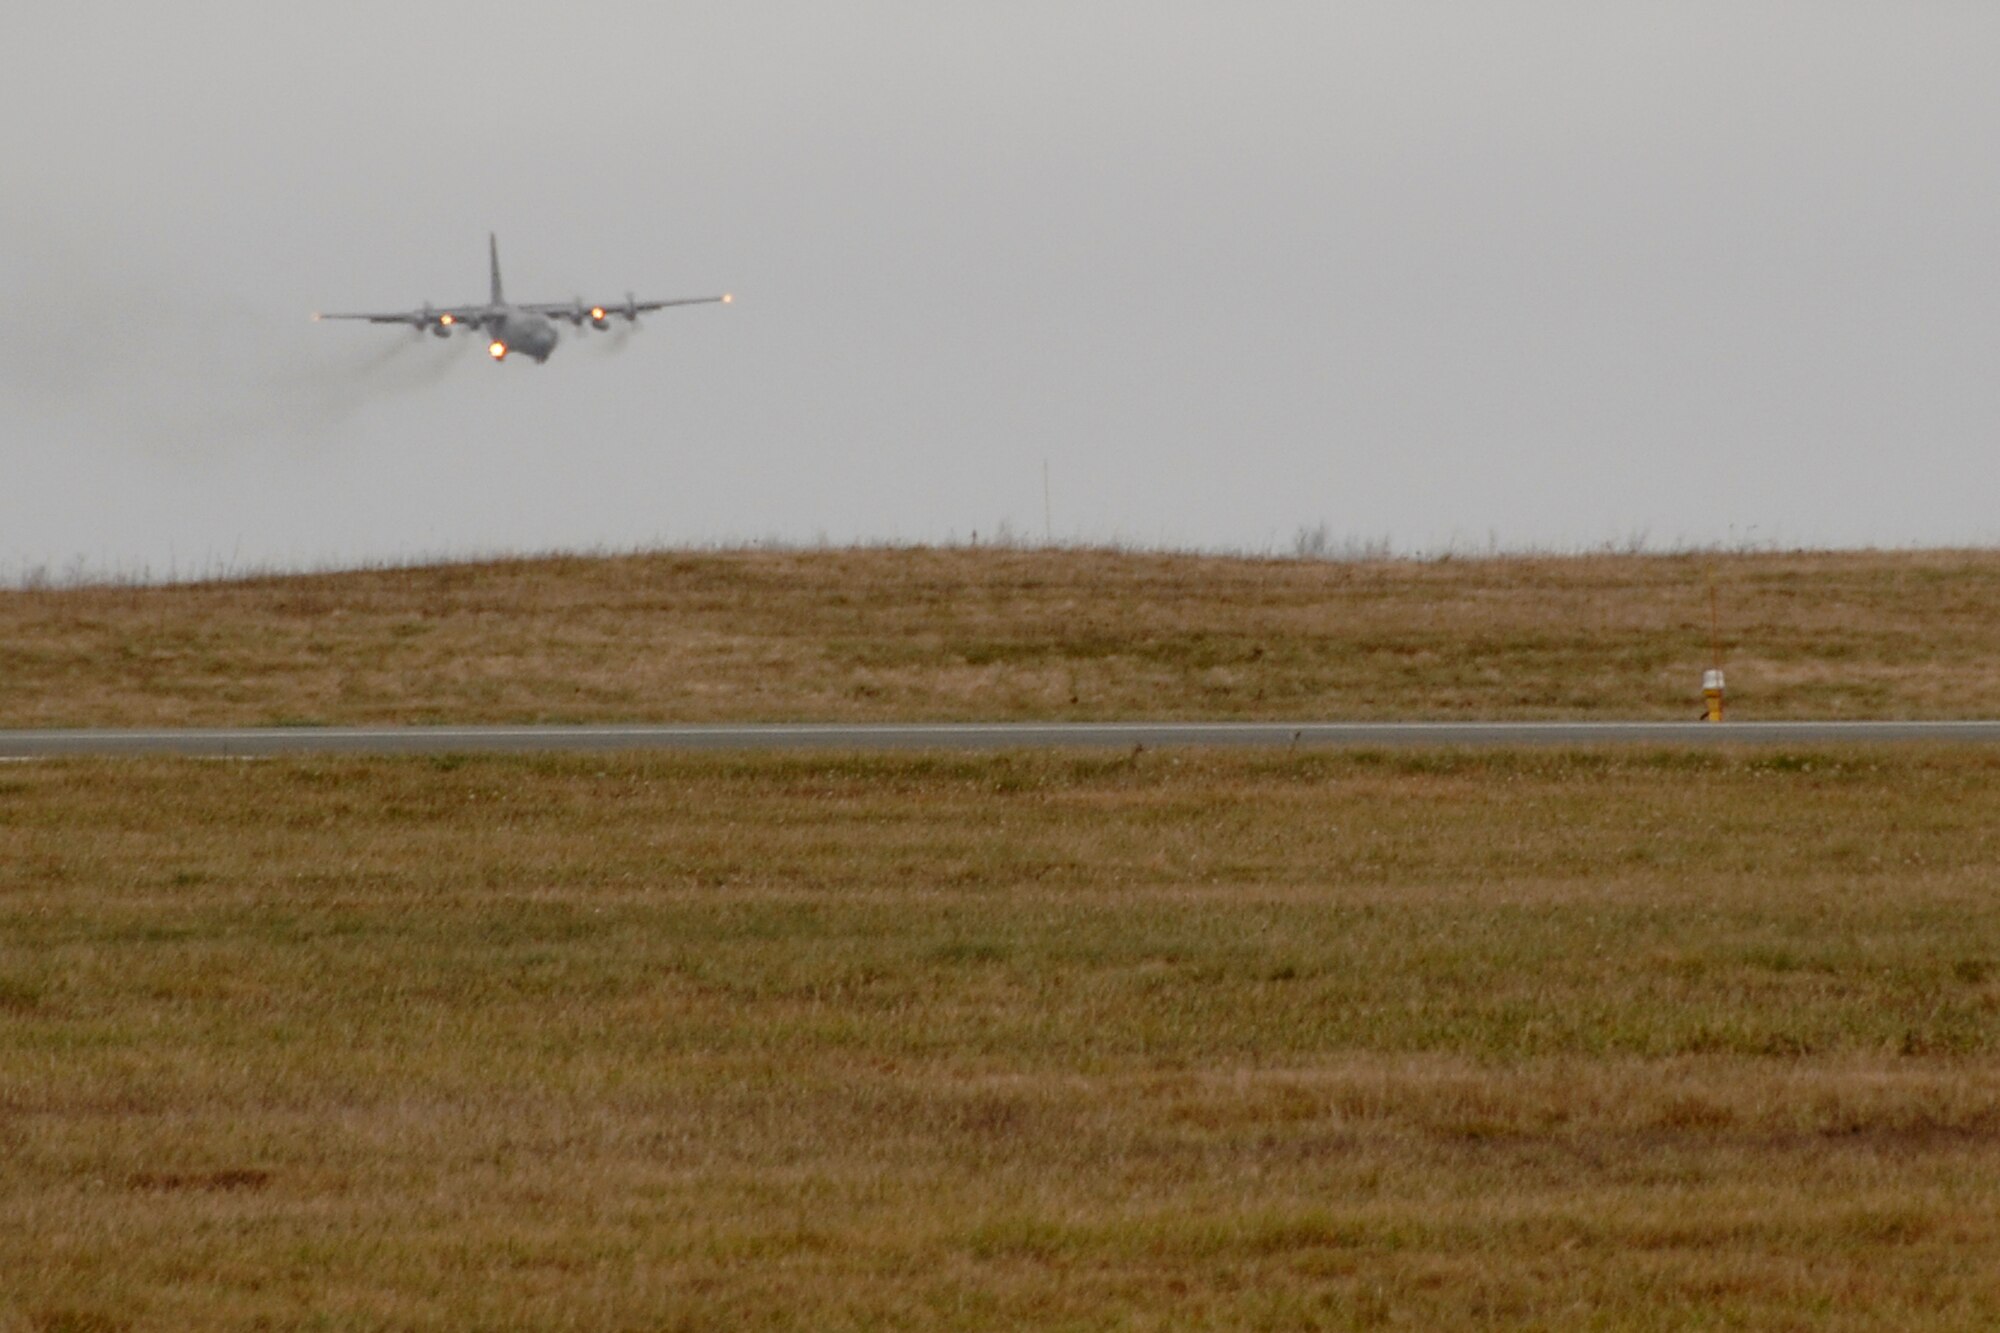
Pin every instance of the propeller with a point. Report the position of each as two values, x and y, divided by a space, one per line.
580 314
437 322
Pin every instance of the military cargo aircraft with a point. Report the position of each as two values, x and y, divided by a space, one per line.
526 327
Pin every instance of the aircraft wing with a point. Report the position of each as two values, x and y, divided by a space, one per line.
629 308
418 319
643 306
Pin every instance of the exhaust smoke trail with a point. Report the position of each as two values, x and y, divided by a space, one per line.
611 341
186 374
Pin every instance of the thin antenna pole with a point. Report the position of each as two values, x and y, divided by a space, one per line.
1048 509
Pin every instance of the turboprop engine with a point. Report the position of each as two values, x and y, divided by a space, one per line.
440 325
580 314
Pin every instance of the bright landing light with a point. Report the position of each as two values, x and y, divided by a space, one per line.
446 320
496 350
728 297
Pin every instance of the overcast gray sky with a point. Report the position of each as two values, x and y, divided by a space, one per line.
1442 274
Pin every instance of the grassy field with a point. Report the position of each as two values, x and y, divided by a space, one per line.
1585 1040
998 633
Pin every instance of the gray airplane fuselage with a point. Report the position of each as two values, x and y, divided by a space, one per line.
513 329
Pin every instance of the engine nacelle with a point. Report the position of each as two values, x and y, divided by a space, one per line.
441 330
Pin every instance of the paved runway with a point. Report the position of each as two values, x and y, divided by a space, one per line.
246 742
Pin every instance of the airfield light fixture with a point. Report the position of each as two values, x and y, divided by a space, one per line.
497 350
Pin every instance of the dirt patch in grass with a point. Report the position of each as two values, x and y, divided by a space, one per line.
238 1178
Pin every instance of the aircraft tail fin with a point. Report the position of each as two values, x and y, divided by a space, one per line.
493 252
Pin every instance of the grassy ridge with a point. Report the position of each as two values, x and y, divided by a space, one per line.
992 634
1619 1039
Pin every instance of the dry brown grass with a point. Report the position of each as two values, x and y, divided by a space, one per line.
994 634
1617 1040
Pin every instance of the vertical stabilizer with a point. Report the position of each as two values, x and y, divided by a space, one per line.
493 252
